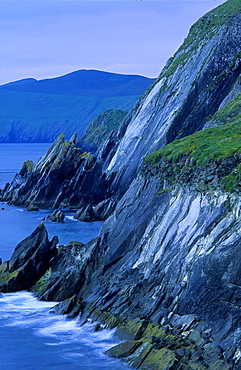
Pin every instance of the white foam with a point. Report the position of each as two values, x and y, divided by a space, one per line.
71 218
22 301
23 310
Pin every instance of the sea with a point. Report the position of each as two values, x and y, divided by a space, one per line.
31 337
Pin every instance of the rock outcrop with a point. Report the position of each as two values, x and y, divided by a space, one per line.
30 259
57 216
98 131
66 273
165 268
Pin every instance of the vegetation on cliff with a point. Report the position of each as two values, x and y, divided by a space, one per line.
201 32
100 128
221 144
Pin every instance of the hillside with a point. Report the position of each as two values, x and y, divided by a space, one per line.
100 128
38 111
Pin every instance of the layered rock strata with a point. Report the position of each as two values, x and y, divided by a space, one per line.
192 86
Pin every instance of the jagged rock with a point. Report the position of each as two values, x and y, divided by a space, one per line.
67 272
85 214
104 209
27 168
100 128
31 208
57 216
124 349
63 177
29 261
70 307
99 212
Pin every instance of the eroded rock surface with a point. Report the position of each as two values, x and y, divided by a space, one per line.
30 259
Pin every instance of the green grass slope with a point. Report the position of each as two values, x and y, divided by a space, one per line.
218 147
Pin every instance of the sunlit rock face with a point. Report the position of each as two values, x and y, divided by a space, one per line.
190 89
171 258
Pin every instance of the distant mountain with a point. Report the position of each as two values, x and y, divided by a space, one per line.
38 111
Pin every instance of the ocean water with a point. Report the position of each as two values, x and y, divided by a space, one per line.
12 157
16 223
31 337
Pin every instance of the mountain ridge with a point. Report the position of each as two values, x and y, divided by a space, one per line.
38 111
84 82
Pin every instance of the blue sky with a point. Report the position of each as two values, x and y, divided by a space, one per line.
48 38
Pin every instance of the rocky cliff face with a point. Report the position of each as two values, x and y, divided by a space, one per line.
64 177
169 255
189 90
165 267
98 131
29 261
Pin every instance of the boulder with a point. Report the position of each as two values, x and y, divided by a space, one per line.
85 214
105 209
57 216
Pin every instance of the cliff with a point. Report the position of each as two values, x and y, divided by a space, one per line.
98 131
169 255
193 85
169 278
165 267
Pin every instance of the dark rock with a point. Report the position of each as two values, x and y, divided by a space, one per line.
85 214
124 349
67 273
70 307
105 209
29 261
99 327
32 208
57 216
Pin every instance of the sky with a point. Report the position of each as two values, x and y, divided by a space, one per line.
48 38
